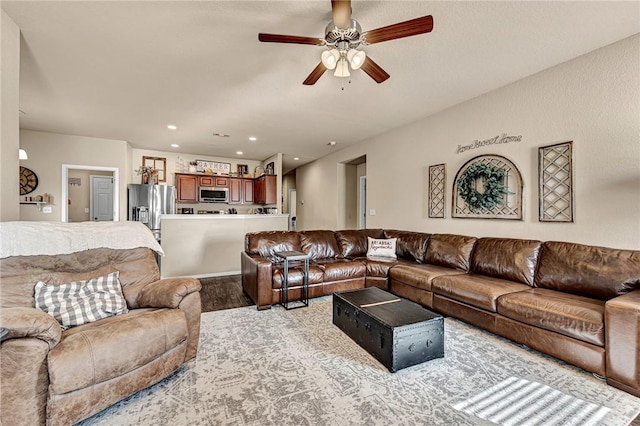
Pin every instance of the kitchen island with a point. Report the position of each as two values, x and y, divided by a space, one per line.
206 245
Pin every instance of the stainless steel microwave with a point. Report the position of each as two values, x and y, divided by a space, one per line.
208 194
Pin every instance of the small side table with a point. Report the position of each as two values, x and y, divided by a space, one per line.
293 256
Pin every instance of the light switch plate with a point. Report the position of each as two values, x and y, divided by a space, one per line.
372 212
86 209
47 209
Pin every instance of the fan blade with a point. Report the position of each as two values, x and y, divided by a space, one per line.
374 70
315 75
279 38
401 29
341 13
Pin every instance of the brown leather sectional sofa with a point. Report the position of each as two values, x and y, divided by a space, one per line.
575 302
55 377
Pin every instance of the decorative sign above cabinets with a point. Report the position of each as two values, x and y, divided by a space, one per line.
203 166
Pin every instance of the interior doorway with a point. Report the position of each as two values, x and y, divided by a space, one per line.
76 193
292 209
352 193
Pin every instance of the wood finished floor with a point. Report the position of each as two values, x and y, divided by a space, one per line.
220 293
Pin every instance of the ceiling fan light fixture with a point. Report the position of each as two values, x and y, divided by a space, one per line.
356 58
330 58
342 69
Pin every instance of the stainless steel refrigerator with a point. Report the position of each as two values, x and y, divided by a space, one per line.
147 202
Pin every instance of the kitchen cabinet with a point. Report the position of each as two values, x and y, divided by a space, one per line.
221 182
187 188
265 190
262 190
240 191
214 181
247 185
205 181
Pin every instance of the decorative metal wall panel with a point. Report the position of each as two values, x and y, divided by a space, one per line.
437 182
488 187
555 174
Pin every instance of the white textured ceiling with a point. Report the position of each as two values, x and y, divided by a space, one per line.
125 69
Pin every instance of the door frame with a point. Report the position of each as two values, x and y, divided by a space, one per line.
362 203
64 189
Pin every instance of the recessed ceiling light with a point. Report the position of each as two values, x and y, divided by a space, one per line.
296 158
239 152
174 145
253 138
172 127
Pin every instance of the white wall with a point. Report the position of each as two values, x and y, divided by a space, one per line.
593 100
172 163
9 133
320 190
173 167
48 151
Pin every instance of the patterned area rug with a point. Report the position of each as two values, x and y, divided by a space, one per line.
521 402
295 367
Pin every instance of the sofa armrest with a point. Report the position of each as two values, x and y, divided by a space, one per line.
167 293
257 278
622 334
22 322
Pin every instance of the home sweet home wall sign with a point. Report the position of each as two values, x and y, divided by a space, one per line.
499 139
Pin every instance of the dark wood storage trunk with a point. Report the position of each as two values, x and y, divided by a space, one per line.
396 331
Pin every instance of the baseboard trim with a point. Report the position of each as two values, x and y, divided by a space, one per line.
210 275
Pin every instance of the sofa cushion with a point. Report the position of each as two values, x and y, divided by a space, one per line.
99 351
506 258
450 251
342 269
353 243
420 276
380 267
80 302
575 316
316 274
599 272
475 290
319 244
409 245
266 243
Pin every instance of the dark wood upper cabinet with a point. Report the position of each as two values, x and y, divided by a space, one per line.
187 188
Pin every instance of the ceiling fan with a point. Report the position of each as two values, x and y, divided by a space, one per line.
342 37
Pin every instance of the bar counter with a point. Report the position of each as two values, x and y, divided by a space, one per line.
202 245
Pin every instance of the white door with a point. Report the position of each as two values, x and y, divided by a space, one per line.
101 198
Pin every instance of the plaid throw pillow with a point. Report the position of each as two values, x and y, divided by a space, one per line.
80 302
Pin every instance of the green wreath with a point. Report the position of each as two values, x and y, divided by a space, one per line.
494 188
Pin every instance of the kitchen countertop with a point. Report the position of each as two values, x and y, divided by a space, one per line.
220 216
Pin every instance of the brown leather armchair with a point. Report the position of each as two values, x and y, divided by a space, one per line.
59 377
